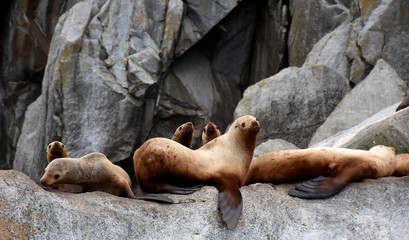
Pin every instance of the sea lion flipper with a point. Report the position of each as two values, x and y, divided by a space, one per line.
155 198
230 204
320 187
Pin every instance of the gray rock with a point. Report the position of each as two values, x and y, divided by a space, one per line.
373 209
292 104
272 145
310 21
384 128
385 31
381 88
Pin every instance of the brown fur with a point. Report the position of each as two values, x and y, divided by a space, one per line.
210 132
184 134
162 165
333 168
402 165
404 104
55 150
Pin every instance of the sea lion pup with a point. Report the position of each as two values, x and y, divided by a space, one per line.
93 172
210 132
184 134
330 169
55 150
162 165
402 165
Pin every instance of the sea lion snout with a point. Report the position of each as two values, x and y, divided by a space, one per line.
255 123
189 123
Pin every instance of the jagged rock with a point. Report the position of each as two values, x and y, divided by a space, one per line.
387 127
292 104
272 145
381 88
310 21
370 209
385 32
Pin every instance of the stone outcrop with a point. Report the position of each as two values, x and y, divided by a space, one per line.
381 88
370 209
272 145
292 104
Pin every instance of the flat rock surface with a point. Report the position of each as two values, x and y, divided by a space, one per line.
372 209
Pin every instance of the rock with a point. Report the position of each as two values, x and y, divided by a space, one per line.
272 145
292 104
310 21
387 127
385 32
330 51
381 88
28 211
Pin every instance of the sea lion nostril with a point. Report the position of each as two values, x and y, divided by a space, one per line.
189 123
254 122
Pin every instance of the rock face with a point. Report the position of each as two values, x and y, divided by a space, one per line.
292 104
272 145
381 88
370 209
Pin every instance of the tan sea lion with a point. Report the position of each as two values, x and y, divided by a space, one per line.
162 165
93 172
55 150
210 132
184 134
330 169
402 165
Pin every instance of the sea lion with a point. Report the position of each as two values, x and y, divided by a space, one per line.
402 165
184 134
55 150
210 132
93 172
330 169
404 103
162 165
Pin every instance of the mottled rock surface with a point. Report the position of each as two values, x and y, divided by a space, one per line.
272 145
372 209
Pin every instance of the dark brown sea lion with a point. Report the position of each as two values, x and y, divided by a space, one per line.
330 169
162 165
55 150
184 134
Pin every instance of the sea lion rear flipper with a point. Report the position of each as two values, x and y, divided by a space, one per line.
155 198
320 187
230 204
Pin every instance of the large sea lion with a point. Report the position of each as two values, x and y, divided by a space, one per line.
184 134
210 132
402 165
55 150
93 172
330 169
162 165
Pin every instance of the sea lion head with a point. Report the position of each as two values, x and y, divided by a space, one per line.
55 150
210 132
184 134
245 130
54 173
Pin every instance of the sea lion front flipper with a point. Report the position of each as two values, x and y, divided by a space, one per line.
320 187
230 204
155 198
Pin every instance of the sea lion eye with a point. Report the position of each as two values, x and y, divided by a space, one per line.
204 129
62 145
49 146
56 176
180 128
243 124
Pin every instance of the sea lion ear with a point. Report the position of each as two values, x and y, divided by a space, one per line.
230 204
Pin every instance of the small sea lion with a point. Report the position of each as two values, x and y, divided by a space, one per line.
402 165
93 172
330 169
210 132
162 165
55 150
184 134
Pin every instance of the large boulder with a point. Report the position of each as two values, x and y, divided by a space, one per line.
272 145
381 88
384 128
369 209
292 104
